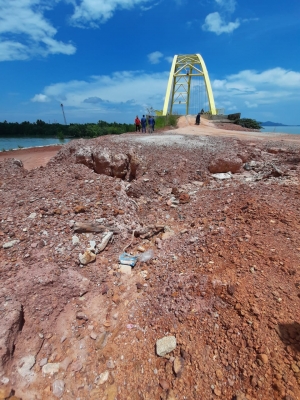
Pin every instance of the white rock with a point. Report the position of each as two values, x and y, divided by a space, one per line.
50 368
32 215
25 365
222 175
102 378
75 240
125 269
165 345
7 245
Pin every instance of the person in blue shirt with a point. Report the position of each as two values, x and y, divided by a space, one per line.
143 122
150 124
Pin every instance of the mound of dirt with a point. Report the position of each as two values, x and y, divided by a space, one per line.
216 271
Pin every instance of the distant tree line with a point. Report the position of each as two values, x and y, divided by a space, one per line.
41 129
249 123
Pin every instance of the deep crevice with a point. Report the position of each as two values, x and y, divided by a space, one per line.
22 319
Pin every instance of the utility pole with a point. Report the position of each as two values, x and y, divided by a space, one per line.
62 107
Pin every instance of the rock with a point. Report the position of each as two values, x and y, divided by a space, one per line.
295 368
50 368
110 364
75 240
230 289
32 215
87 257
184 198
79 209
102 340
58 388
93 335
273 150
10 244
171 395
76 366
165 345
263 357
102 378
25 365
164 384
223 164
81 316
217 392
125 269
222 176
219 374
178 366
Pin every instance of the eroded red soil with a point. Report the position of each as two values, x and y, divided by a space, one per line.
223 277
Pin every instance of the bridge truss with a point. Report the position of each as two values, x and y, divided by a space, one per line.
186 68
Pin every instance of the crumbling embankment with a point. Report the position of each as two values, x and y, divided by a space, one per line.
218 219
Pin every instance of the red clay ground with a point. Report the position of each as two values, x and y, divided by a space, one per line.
223 277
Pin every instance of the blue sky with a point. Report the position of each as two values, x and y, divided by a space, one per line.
110 59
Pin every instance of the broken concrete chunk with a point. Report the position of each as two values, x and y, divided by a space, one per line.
165 345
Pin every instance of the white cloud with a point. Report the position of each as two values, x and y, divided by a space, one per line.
215 23
228 5
110 94
25 32
93 12
256 89
40 98
155 57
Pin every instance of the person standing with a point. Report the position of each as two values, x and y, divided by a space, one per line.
153 123
143 122
150 124
137 124
198 119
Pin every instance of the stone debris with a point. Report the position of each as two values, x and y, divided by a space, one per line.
50 368
58 388
87 257
165 345
10 244
25 365
217 268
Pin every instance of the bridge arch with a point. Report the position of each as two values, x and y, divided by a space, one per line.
184 68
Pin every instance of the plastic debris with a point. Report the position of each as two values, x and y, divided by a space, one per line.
146 256
128 259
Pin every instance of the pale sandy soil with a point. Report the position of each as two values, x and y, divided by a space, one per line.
32 157
39 156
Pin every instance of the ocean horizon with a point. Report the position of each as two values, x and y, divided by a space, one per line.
294 130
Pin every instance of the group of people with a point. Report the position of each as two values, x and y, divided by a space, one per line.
144 123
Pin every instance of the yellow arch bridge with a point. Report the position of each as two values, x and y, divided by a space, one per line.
184 68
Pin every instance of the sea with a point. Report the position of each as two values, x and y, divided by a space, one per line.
19 143
295 130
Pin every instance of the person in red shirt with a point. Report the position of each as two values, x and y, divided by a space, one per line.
137 124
